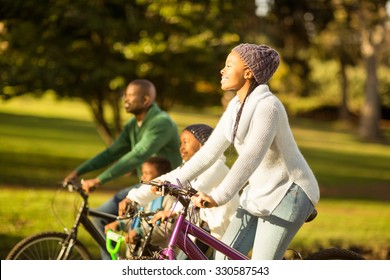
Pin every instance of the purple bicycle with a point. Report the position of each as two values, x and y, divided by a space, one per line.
184 229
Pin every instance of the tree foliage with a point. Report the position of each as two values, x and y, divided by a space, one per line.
350 32
92 49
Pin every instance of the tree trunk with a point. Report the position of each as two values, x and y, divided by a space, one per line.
370 113
343 109
373 32
102 126
116 105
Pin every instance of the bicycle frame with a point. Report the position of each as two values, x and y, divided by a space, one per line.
180 238
182 228
83 218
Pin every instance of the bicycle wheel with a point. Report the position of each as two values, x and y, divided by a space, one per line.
46 246
334 254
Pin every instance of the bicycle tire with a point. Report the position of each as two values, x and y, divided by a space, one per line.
46 246
335 254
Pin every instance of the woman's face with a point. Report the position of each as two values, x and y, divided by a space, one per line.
233 74
188 145
236 76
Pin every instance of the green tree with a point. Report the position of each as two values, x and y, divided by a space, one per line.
67 47
91 49
348 31
337 40
291 25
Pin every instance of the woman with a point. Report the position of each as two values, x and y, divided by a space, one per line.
282 190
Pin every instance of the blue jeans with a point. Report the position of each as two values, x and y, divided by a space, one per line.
268 236
110 206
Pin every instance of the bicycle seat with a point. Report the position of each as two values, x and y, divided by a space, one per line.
312 216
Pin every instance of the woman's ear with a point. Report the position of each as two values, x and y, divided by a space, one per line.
248 74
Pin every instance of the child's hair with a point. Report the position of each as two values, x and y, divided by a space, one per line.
201 132
160 163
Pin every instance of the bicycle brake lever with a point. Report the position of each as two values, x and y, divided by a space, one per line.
69 186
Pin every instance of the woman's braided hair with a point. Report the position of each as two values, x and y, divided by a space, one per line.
238 117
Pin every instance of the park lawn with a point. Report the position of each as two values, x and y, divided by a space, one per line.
41 210
42 140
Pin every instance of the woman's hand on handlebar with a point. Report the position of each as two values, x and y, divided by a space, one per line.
203 200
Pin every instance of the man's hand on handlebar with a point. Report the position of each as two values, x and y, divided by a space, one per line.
71 177
90 185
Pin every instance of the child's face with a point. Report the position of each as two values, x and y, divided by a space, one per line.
233 74
149 172
188 145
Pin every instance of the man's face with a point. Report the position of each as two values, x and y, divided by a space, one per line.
135 100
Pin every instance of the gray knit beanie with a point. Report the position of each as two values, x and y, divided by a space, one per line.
261 60
200 131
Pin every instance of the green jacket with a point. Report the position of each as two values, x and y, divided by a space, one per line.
158 135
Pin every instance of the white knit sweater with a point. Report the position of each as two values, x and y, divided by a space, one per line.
268 156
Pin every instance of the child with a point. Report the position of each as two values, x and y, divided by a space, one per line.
151 168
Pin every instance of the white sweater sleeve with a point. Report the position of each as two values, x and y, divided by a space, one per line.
143 195
208 154
257 141
211 178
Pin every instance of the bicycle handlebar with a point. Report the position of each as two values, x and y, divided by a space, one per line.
73 185
131 210
183 193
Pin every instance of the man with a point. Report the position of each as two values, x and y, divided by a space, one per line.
150 132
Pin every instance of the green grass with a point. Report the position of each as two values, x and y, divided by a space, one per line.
360 225
42 140
41 210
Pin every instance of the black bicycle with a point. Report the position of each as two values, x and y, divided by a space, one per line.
54 245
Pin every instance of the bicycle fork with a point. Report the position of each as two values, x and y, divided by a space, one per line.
68 243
